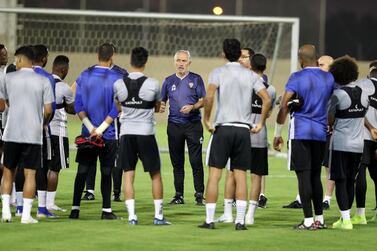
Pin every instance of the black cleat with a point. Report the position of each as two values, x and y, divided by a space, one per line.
109 216
293 204
319 225
199 199
262 203
88 196
240 226
116 198
74 214
326 205
207 225
177 200
301 226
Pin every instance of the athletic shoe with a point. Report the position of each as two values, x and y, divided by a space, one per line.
177 200
240 226
325 205
319 225
6 217
109 216
116 197
161 222
293 204
199 199
56 208
18 212
132 222
44 213
343 224
88 196
206 225
74 214
29 220
262 202
359 220
337 224
224 219
302 226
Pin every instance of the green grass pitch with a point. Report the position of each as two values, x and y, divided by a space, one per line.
272 229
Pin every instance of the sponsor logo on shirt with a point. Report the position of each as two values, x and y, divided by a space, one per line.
356 109
173 88
134 102
256 104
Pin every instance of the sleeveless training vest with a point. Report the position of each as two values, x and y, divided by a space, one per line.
62 105
256 105
133 100
356 110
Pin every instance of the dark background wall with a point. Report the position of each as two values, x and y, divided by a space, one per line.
351 26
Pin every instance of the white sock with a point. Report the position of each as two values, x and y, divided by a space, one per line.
13 194
6 206
319 218
327 198
210 212
345 214
298 198
158 214
228 208
107 210
50 199
308 221
241 209
20 199
253 205
360 211
75 208
91 191
130 204
28 203
42 198
261 194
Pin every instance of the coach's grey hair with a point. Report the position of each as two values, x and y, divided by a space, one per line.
182 51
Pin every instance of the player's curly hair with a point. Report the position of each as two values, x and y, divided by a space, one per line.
232 49
344 70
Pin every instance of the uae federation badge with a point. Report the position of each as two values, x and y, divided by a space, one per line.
191 85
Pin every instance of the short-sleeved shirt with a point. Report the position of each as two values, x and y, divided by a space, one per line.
259 140
235 85
315 86
39 70
180 92
348 133
135 121
369 86
95 95
27 93
64 95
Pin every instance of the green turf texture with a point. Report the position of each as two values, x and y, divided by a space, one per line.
272 229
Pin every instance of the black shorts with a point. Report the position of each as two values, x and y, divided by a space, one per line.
344 165
230 142
305 154
60 153
132 147
27 154
259 161
106 154
325 161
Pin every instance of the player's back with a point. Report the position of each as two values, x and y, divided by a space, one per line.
26 92
315 87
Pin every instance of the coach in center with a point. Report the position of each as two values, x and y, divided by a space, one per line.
185 91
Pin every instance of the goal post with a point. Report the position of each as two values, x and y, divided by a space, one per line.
77 33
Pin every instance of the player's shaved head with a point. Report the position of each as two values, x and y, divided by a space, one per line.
60 66
307 55
324 62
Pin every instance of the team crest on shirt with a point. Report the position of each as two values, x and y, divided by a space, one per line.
173 88
191 84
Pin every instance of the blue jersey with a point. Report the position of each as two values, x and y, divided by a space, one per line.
181 92
119 70
95 97
315 87
39 70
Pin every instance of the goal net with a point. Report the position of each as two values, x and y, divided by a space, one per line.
78 33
